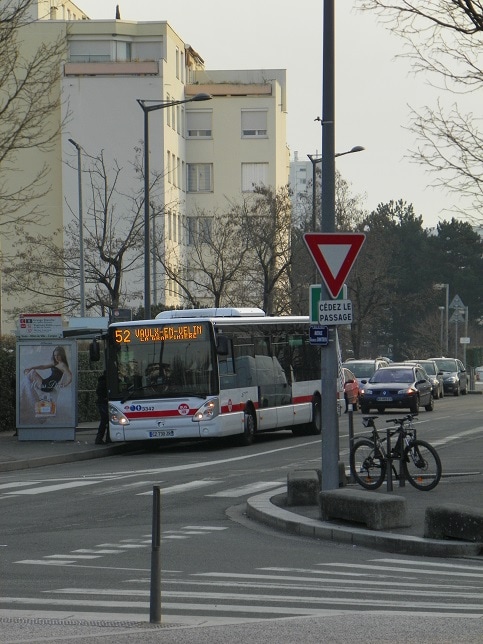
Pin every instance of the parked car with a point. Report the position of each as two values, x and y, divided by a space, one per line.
455 377
435 376
351 389
397 386
364 369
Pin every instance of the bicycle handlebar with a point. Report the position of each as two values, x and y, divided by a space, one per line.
400 421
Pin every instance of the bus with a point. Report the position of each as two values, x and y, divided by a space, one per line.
211 373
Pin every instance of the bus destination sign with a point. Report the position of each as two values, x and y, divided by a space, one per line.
164 333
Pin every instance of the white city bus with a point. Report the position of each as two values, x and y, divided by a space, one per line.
209 373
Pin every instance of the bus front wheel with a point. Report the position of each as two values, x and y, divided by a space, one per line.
249 423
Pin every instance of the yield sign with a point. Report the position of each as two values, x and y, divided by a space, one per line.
334 254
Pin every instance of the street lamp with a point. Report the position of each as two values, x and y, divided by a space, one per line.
440 287
81 231
317 158
441 309
157 105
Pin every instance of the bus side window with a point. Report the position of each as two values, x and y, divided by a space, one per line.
226 367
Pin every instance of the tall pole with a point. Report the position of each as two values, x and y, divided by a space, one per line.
158 105
329 419
147 249
82 296
447 318
442 309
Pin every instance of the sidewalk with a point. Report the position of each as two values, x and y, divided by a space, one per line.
462 488
20 455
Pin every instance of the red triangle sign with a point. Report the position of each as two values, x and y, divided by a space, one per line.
334 255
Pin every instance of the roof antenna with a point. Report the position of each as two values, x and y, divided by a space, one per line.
118 13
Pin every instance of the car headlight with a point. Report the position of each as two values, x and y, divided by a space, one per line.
410 391
452 379
366 391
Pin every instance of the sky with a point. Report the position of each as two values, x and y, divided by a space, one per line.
374 87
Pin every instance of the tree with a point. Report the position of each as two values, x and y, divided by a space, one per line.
208 264
457 252
266 225
389 284
444 38
113 245
29 95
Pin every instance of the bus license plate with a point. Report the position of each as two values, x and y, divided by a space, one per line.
162 433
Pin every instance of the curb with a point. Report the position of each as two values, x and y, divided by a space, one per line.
30 463
262 509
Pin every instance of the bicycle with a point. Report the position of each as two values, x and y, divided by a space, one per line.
420 463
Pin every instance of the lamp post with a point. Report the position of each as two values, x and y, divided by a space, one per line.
81 231
317 158
147 108
446 287
441 309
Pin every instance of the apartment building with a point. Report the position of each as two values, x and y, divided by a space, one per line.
203 153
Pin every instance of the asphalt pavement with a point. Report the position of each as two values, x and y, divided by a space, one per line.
462 488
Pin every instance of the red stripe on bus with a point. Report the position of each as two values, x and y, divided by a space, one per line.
172 413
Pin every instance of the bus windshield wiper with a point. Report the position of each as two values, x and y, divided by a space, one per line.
132 390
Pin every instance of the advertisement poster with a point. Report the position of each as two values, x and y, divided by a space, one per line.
47 384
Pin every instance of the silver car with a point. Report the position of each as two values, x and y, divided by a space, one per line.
455 377
435 376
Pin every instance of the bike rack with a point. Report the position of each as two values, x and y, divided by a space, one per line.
389 459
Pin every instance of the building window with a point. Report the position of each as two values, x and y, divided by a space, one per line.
147 50
200 177
199 124
177 62
168 111
254 124
254 174
89 51
199 230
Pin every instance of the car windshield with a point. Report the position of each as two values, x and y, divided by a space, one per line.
429 367
447 365
393 375
362 369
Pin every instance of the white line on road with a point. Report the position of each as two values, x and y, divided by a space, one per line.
251 488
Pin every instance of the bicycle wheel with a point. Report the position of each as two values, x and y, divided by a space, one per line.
422 465
368 467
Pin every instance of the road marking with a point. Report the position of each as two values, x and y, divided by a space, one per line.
182 487
52 488
251 488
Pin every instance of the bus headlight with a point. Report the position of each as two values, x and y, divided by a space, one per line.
117 417
207 411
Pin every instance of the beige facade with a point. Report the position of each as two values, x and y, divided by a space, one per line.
204 152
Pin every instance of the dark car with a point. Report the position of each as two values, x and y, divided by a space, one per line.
404 386
455 377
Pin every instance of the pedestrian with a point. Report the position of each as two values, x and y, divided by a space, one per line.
102 406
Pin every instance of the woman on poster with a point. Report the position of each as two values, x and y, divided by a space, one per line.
60 375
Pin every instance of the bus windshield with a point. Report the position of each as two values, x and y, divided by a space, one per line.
162 359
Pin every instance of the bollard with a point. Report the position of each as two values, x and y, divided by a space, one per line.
388 460
350 411
155 596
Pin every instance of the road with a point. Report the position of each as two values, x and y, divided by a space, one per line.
76 538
